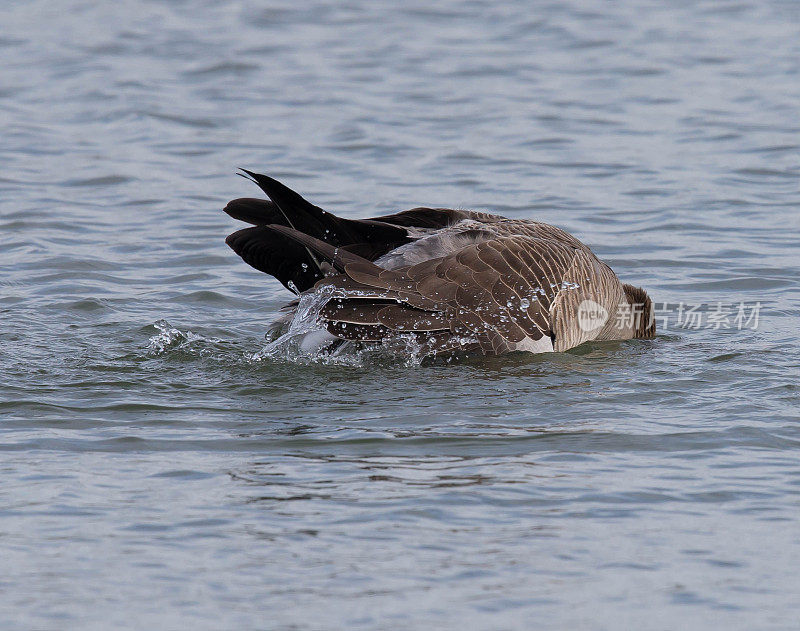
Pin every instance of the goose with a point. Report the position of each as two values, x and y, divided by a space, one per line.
448 280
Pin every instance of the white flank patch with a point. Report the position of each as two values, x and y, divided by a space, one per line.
542 345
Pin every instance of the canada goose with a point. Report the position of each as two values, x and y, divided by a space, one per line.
447 280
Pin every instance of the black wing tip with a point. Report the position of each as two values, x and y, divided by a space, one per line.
252 210
247 175
257 178
233 240
274 189
264 182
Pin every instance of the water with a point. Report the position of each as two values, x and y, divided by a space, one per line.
157 473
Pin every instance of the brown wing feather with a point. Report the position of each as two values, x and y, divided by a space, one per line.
481 289
352 311
496 293
403 318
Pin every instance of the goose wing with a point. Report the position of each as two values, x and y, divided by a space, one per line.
503 294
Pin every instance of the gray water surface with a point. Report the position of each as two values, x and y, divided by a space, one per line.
156 474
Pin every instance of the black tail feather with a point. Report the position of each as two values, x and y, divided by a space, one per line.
259 212
272 253
289 255
337 256
300 214
292 235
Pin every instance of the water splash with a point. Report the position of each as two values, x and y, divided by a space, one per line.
169 338
305 340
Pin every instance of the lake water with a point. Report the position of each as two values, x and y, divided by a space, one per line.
157 474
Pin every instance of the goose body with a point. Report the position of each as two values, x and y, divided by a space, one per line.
447 280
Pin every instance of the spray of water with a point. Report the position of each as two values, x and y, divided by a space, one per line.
306 340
